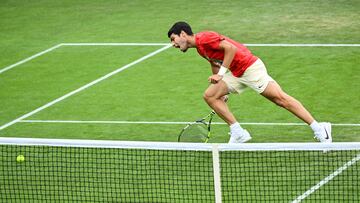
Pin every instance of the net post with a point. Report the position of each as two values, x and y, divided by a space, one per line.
216 169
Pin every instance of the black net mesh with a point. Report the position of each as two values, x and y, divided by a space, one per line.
84 174
70 174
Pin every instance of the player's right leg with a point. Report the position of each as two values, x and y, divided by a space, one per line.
213 97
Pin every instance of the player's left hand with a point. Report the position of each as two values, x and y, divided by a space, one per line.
215 78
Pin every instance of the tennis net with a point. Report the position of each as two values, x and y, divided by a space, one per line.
115 171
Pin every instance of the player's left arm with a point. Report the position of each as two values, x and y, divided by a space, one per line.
229 53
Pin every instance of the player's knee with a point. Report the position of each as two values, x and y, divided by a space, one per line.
208 97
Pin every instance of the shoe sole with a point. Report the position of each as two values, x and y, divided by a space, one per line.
240 140
244 140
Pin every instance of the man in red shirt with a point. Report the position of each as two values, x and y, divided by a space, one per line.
234 68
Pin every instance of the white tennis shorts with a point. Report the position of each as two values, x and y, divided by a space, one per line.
255 77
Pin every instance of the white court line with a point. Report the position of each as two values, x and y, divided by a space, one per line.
250 45
29 58
115 44
327 179
78 44
165 44
173 122
84 87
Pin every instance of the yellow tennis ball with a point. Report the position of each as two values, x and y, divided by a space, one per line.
20 158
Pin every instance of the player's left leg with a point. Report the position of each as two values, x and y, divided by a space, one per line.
274 93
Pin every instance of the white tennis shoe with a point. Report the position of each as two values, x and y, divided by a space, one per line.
324 135
239 136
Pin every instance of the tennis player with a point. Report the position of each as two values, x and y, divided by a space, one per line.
234 68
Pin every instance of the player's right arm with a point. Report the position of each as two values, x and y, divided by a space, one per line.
215 67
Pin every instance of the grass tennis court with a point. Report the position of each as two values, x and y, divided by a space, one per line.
168 87
133 104
124 96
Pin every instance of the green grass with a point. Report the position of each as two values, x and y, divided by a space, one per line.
124 96
169 85
28 27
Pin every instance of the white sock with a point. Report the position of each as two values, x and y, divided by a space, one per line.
315 126
235 126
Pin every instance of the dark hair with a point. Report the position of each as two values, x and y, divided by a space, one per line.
178 27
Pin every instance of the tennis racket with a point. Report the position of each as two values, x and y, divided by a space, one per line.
198 131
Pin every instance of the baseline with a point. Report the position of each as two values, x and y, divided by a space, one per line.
175 122
77 44
162 44
30 58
